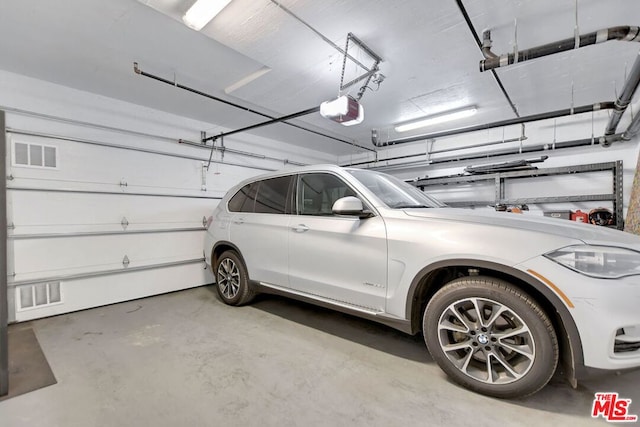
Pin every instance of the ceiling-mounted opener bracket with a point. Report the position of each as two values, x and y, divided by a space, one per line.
369 71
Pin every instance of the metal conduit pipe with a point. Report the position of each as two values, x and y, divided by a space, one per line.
621 104
623 33
530 149
123 131
487 53
65 120
515 121
446 150
130 148
632 129
137 70
239 152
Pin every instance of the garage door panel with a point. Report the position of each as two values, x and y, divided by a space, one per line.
53 256
91 292
79 164
45 212
81 200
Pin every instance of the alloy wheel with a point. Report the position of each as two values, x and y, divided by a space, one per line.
486 340
228 278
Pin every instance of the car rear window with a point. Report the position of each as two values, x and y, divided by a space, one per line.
272 195
244 199
267 196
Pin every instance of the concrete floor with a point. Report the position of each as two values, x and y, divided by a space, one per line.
187 359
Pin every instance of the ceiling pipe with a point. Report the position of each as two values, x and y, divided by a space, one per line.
541 147
606 140
621 104
446 150
519 120
623 33
547 147
137 70
486 45
487 53
632 129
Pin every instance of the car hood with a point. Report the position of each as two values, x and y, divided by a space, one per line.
588 233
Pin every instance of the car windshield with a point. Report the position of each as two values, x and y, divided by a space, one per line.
393 192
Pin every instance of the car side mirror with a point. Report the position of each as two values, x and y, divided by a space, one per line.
351 206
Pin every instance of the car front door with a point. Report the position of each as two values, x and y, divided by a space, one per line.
342 259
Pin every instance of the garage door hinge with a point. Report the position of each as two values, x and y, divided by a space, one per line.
11 226
124 223
125 261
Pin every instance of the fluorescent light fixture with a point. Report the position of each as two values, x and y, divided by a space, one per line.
345 110
203 11
247 79
440 118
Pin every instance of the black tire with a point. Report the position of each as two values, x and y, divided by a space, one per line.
232 280
491 337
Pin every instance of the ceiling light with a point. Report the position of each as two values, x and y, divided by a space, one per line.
247 79
203 11
345 110
440 118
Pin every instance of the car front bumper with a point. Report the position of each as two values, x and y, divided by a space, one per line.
606 313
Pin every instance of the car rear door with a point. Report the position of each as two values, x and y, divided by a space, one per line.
259 227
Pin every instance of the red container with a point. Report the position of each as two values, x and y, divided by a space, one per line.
580 216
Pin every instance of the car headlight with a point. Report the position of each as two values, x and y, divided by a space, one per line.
606 262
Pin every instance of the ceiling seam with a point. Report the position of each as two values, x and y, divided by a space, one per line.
319 34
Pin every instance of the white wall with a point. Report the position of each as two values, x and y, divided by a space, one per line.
58 214
544 132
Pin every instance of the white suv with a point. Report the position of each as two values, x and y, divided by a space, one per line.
501 299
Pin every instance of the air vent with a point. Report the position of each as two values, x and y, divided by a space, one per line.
627 340
35 155
39 295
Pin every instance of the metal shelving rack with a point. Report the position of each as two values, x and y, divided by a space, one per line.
500 178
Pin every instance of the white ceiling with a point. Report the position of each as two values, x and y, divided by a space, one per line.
430 58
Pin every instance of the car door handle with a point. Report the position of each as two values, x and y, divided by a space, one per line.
238 221
300 228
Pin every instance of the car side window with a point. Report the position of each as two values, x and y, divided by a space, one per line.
244 199
272 195
317 192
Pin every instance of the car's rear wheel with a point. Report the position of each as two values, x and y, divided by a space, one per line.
232 279
491 337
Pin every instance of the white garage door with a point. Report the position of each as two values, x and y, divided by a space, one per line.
93 223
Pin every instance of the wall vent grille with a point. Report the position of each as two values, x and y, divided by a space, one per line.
39 295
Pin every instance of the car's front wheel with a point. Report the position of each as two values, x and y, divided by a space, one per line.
491 337
232 279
